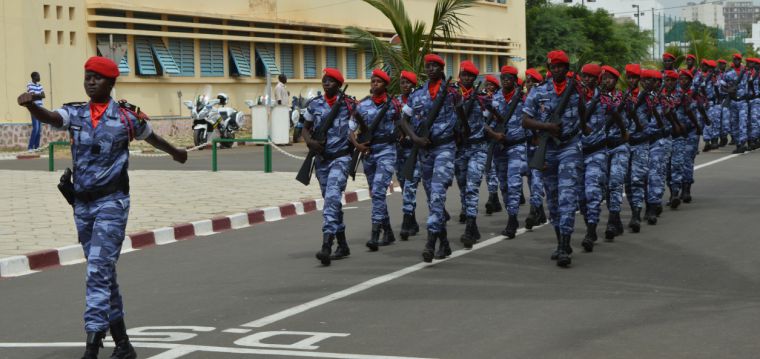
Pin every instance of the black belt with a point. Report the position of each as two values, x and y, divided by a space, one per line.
475 142
587 150
392 138
657 136
332 156
638 140
570 135
519 141
122 184
435 142
615 142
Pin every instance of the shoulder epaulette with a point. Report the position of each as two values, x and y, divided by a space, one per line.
75 104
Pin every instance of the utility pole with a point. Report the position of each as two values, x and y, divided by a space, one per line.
638 15
654 41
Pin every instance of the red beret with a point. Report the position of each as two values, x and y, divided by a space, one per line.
334 73
557 57
606 69
686 72
409 76
705 62
381 74
690 56
506 69
667 55
721 61
492 79
737 56
534 74
519 82
468 66
651 74
633 69
434 58
753 59
671 74
102 66
591 69
712 63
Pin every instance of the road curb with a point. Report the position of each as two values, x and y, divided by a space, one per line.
52 258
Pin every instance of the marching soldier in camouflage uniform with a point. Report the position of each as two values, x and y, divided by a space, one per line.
685 145
562 160
493 204
380 153
660 144
409 226
735 84
100 132
437 154
537 214
332 163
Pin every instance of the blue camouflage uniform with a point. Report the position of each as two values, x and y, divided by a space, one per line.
563 159
753 133
379 165
101 159
509 156
436 161
723 127
593 174
492 180
470 157
712 107
408 188
739 106
619 154
332 165
684 146
639 145
660 145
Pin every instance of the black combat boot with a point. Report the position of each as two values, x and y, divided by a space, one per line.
740 148
686 194
462 217
715 144
541 215
707 147
415 227
493 205
123 349
611 231
93 344
406 225
511 229
563 258
342 251
723 141
658 209
388 237
475 230
522 197
675 197
427 253
444 250
374 239
732 142
532 219
555 254
651 214
590 238
468 237
324 254
446 215
635 223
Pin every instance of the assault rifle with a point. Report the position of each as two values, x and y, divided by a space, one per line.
408 170
367 134
320 135
501 124
464 111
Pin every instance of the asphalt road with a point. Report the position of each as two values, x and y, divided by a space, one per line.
685 288
244 158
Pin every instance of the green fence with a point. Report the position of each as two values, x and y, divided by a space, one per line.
267 151
51 153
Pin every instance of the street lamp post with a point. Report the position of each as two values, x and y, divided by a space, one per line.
638 15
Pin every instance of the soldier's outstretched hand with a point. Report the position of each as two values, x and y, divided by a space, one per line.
26 99
180 155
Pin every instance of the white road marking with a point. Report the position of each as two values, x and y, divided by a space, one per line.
236 331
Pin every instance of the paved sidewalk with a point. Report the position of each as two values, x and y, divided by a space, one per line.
34 216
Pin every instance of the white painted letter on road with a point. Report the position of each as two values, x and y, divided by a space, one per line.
255 340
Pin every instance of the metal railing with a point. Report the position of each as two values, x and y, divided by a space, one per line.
51 153
267 151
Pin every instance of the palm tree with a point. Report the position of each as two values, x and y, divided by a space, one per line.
416 39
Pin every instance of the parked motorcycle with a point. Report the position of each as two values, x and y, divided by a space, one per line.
207 118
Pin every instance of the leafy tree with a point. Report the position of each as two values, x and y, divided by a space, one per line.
416 38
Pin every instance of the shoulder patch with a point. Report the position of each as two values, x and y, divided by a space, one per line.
75 104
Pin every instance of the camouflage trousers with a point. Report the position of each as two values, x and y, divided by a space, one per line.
535 182
492 180
618 166
638 170
739 110
379 167
100 228
509 167
469 165
682 160
437 166
593 180
754 125
332 176
560 182
659 160
408 188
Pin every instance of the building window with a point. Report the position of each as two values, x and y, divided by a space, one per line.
286 60
58 12
309 62
240 58
449 59
265 60
71 13
489 64
60 37
183 52
352 64
368 64
104 39
72 38
47 37
331 57
45 11
212 58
